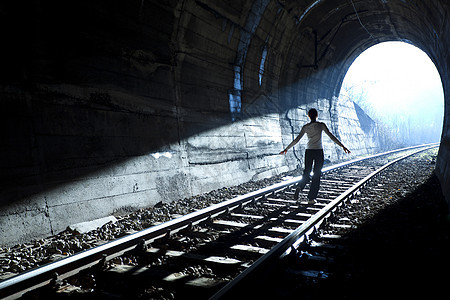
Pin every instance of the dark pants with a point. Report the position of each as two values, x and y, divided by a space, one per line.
316 156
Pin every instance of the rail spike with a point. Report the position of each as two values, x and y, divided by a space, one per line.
141 247
293 255
314 234
55 282
101 265
305 243
189 227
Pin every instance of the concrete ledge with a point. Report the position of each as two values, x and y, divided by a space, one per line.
91 225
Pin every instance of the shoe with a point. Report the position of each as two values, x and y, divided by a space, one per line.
297 191
311 201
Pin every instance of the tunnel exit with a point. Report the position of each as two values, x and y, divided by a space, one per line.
398 86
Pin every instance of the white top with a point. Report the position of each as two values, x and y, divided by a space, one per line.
313 131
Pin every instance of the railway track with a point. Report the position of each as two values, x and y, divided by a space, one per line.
211 252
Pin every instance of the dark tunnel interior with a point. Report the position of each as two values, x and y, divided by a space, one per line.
89 86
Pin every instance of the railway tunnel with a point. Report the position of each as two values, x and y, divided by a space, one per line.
111 106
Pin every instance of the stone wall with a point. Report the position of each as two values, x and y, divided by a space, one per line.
339 114
86 153
113 106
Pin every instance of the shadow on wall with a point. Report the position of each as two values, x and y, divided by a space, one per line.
72 92
65 154
81 135
105 149
75 85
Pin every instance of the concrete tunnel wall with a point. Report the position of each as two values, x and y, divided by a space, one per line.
112 106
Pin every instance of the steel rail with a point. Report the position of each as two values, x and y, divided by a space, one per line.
293 240
64 268
34 278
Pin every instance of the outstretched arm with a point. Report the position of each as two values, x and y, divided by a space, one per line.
295 141
334 139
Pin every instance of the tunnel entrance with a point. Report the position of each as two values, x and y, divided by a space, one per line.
398 86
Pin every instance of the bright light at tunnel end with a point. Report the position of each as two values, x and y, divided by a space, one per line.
397 83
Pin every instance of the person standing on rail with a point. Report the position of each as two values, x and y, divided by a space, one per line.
313 153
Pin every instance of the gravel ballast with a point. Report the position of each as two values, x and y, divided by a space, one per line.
397 248
403 227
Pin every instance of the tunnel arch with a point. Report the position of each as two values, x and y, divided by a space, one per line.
309 47
78 92
384 24
344 32
403 85
353 56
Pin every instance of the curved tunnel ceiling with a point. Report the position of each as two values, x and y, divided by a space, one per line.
83 78
80 80
305 47
287 32
347 28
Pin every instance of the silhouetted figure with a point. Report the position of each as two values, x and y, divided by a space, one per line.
313 153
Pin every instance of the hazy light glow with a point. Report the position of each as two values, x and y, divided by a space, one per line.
395 80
